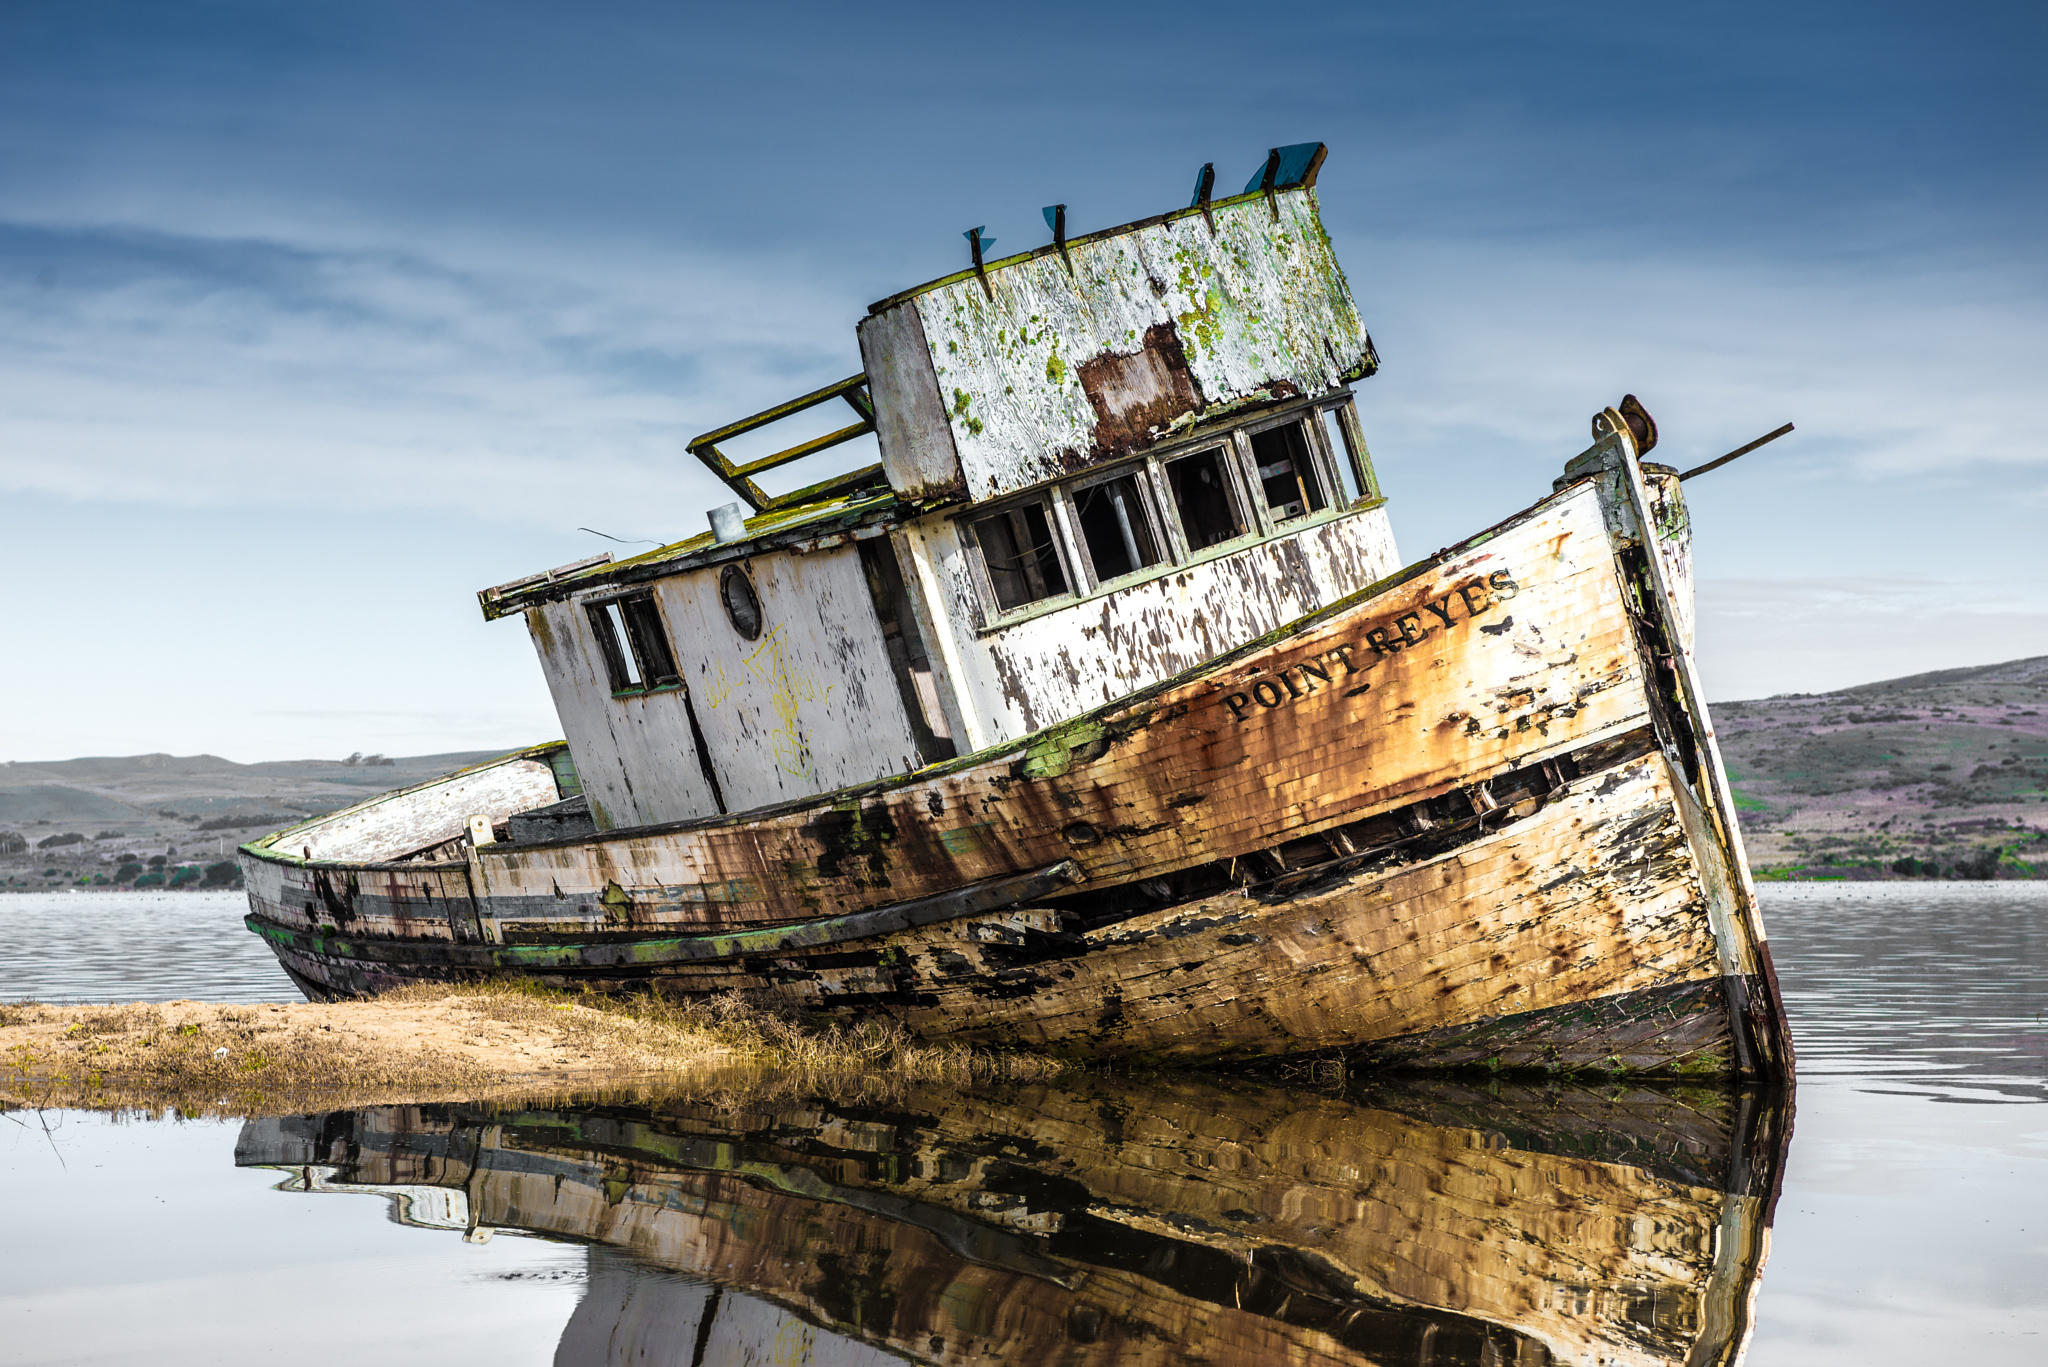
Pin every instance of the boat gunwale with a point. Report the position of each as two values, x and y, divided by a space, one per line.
975 898
262 848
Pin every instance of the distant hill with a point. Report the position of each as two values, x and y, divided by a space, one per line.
176 809
1942 774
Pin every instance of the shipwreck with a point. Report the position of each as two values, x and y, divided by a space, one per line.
1101 715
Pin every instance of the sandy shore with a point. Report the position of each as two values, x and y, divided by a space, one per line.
427 1045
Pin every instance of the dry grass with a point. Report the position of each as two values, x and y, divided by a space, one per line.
450 1043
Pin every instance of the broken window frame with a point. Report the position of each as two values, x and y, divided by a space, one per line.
1243 487
1224 445
1352 456
1303 416
1063 541
1139 473
904 634
633 641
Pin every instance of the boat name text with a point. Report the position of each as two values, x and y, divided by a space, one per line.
1303 677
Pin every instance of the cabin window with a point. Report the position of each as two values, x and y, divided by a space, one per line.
1020 554
1287 472
903 639
1352 469
634 644
742 604
1201 498
1116 527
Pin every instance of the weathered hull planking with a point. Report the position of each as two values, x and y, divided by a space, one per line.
1469 817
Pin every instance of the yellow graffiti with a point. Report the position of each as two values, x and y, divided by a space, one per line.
717 685
789 688
795 1344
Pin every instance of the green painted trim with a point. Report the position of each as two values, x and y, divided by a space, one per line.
655 691
1238 545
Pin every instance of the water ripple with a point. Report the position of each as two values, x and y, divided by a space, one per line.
1942 985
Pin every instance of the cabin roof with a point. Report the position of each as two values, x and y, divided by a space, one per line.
1292 168
848 517
1052 362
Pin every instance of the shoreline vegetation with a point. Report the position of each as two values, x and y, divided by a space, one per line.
447 1043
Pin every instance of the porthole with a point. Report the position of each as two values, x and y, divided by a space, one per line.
742 607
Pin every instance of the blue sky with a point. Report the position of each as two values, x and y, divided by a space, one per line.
314 319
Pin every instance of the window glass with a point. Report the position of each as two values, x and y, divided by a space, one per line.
1201 499
1340 451
1287 474
611 631
1114 527
1018 550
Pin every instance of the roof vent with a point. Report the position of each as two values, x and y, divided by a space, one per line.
729 523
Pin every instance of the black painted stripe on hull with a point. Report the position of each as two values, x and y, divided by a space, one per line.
651 953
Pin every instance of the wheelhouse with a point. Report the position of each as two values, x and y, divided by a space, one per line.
1102 462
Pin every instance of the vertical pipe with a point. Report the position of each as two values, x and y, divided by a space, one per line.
1123 524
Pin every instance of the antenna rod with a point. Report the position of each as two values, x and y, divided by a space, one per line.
1737 452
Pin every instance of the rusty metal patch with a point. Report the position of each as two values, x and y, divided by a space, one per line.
1139 394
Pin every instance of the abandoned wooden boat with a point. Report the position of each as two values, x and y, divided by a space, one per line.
1108 1222
1101 716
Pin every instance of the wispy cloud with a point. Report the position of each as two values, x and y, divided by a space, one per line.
428 287
1763 636
1909 369
181 370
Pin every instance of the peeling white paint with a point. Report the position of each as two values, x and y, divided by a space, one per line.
808 707
1018 678
634 753
405 822
979 393
1256 303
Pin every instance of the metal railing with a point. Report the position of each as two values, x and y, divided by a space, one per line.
740 477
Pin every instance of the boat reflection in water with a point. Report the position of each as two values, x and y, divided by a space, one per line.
1109 1222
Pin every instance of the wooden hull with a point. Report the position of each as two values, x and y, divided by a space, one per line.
1469 817
1112 1223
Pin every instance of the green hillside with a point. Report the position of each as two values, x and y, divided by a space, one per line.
173 820
1942 774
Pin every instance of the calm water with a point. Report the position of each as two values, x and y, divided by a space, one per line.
1188 1220
134 946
